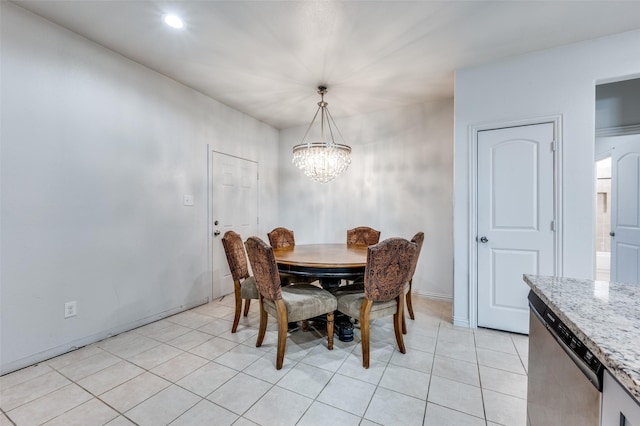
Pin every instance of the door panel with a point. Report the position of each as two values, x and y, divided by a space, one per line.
234 198
625 211
515 204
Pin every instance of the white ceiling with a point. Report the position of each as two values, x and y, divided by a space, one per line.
266 58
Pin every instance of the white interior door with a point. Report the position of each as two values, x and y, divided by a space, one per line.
515 202
625 211
234 206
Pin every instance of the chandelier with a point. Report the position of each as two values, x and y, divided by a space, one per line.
318 155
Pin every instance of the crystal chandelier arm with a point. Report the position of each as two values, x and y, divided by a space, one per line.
310 126
334 125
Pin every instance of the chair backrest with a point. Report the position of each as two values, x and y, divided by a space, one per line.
362 236
418 239
265 269
236 256
387 270
281 237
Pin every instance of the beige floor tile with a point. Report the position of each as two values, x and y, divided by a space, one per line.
49 406
438 416
168 333
128 344
504 382
213 348
239 393
269 410
215 327
189 340
379 350
215 310
30 390
91 412
155 356
89 366
419 342
178 367
414 359
120 421
505 409
207 378
74 356
457 396
322 414
323 358
133 392
347 394
456 350
265 368
4 420
306 380
242 334
406 381
496 342
190 319
24 375
462 336
352 367
454 369
240 357
393 408
163 407
500 360
206 413
521 343
110 377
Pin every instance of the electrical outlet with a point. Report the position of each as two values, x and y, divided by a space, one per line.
70 309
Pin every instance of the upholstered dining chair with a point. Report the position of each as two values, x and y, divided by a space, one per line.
362 236
287 304
244 285
418 239
385 277
281 237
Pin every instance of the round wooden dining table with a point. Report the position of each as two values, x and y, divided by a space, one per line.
330 263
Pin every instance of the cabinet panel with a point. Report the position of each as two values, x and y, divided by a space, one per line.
616 403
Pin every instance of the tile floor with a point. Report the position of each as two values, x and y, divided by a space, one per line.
190 370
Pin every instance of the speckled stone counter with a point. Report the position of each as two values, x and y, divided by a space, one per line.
605 316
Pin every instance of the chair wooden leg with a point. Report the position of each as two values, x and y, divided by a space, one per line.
397 323
247 302
409 305
305 325
236 316
282 332
365 312
263 325
330 330
404 325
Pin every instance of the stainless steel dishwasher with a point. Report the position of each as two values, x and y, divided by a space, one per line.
564 377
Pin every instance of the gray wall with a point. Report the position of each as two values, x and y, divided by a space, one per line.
97 153
399 181
558 81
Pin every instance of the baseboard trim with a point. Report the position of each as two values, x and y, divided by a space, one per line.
461 322
435 296
84 341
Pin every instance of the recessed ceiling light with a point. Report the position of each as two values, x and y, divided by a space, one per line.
173 21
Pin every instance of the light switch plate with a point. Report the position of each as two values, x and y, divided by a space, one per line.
188 200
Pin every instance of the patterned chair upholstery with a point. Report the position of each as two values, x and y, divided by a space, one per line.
362 236
287 304
281 237
385 277
244 286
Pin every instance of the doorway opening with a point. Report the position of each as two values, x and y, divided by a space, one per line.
603 219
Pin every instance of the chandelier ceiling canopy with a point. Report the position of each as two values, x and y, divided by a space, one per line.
319 156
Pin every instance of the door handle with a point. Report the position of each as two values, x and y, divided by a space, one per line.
216 233
484 239
612 234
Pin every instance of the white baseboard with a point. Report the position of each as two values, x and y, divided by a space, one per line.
84 341
435 296
461 322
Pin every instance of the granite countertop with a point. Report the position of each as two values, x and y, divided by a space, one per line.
604 315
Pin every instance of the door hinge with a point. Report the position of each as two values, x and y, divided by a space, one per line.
553 146
553 225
